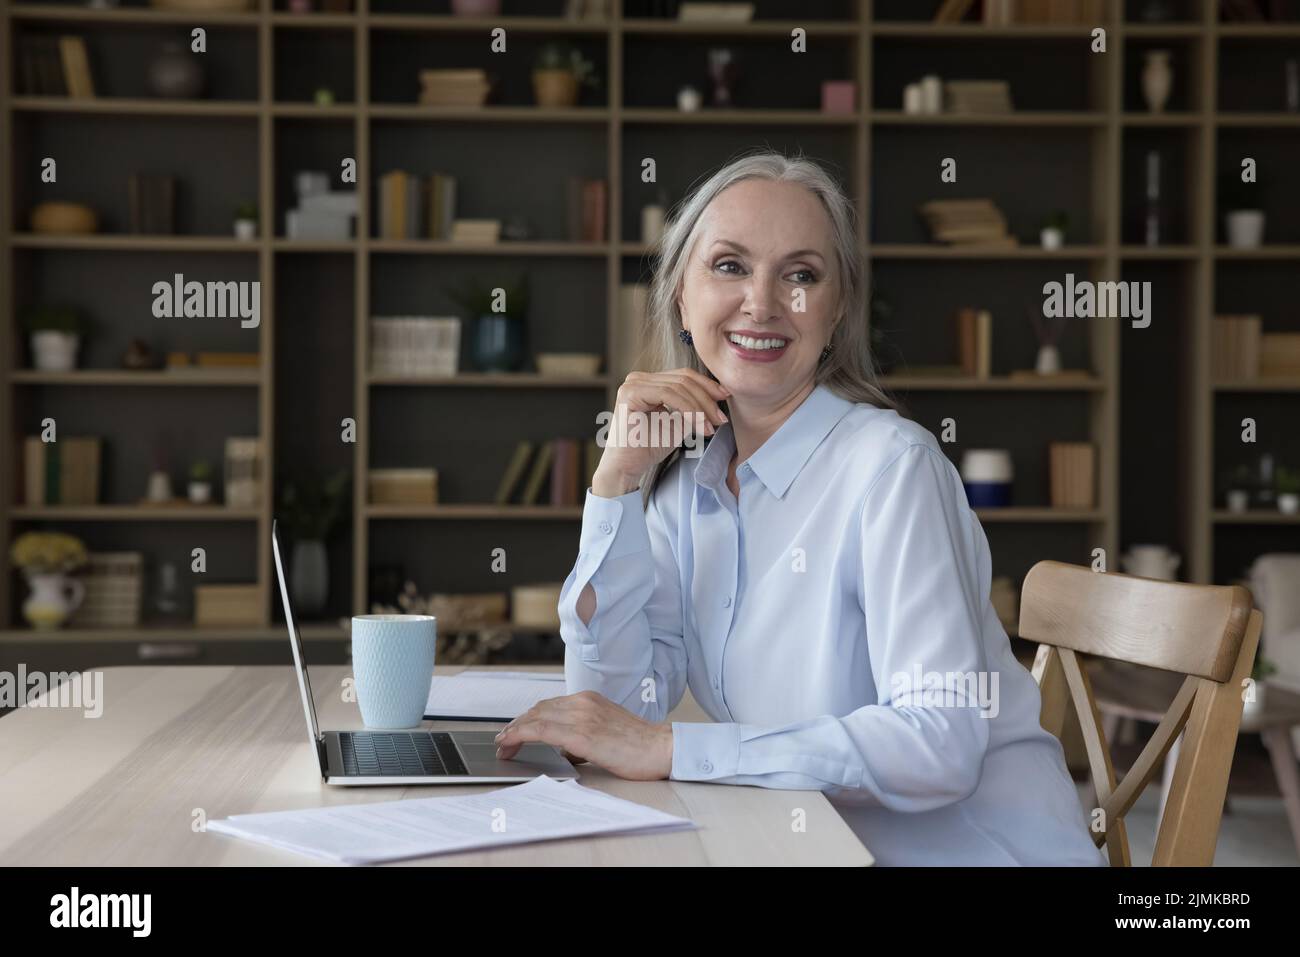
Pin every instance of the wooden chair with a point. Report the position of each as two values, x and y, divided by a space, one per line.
1208 633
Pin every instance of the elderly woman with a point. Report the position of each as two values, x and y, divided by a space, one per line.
816 576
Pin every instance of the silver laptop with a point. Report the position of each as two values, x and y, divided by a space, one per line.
410 757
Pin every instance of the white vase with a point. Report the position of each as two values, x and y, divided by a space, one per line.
1157 80
1245 228
1288 503
309 578
1052 237
54 597
1238 500
689 99
55 351
200 493
246 229
1049 360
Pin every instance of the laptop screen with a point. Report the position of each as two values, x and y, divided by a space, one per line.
295 643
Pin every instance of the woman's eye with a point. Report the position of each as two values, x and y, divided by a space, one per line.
812 276
728 262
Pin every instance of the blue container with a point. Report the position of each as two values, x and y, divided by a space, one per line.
988 494
498 343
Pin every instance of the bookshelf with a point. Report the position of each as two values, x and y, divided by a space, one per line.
1087 130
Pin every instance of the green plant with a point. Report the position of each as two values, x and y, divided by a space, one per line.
311 506
246 210
1057 219
565 56
1262 668
1287 481
201 471
477 297
55 318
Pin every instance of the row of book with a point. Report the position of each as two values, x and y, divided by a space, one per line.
977 96
65 472
416 207
1241 350
54 66
558 471
414 345
975 342
966 221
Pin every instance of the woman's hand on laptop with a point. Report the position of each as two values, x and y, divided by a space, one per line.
588 726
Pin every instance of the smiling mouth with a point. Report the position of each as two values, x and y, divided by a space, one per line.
758 343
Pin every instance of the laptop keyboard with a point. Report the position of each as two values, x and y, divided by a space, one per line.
399 754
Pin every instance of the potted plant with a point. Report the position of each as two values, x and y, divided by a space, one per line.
55 332
310 509
498 344
200 487
46 558
246 221
1259 674
1288 490
559 74
1239 485
1052 234
1243 213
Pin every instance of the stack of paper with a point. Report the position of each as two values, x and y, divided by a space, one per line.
544 809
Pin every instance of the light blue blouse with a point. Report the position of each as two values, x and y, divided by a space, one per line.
835 623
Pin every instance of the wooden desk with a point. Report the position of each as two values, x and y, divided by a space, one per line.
123 789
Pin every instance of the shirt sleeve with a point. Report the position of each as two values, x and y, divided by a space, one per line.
925 569
632 651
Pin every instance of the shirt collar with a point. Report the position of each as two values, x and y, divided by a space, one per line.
782 457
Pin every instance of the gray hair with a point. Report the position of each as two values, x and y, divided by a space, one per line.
850 370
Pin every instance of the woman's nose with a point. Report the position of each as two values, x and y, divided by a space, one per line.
762 297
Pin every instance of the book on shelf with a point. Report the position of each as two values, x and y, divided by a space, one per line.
1072 470
977 96
514 472
54 66
414 345
966 221
696 12
1053 12
538 475
565 465
1279 355
975 342
952 11
1234 347
475 231
442 205
65 472
587 199
244 465
404 486
454 87
153 203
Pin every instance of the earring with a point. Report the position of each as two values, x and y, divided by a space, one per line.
685 336
826 352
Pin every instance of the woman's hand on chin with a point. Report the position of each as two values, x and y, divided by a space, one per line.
590 727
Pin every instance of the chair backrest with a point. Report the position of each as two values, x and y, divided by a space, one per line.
1209 633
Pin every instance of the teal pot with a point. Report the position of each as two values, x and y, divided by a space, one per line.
498 343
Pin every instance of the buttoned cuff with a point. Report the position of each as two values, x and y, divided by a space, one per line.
612 527
705 751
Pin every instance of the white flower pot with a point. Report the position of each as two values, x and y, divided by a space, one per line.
1288 503
689 99
200 492
55 351
245 229
1052 238
1049 360
1245 228
54 597
1238 500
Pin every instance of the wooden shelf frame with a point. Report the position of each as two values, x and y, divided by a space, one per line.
1105 123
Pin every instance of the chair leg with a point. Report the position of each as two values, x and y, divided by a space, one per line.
1278 742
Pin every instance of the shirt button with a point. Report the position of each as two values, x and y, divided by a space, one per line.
726 602
745 467
706 766
606 527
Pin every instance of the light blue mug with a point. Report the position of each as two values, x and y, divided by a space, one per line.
392 662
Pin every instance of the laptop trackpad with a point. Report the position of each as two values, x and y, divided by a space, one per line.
533 758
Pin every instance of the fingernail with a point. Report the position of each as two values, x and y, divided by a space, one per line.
498 752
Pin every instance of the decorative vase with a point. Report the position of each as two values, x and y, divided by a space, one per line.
476 8
1049 360
1157 80
159 489
54 597
688 99
1288 503
309 579
987 475
246 229
200 493
498 343
176 73
1245 228
555 87
1238 500
55 351
1052 237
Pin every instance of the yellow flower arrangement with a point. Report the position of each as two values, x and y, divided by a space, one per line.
45 553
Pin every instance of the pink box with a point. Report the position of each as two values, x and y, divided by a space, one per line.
837 96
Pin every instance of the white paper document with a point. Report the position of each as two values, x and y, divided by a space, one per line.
490 695
543 809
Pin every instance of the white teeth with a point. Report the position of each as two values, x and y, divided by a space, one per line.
751 343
